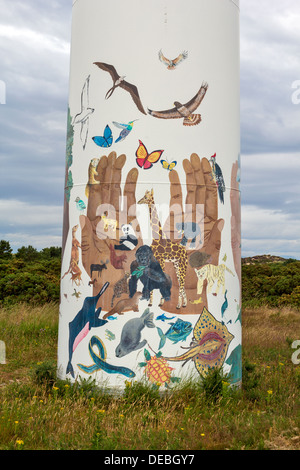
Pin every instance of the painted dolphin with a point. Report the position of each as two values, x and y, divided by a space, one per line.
163 317
100 361
131 334
86 318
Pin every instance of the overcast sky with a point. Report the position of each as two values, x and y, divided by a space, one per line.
34 78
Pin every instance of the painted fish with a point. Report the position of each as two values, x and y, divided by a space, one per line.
86 318
131 334
100 361
210 344
225 304
163 317
178 331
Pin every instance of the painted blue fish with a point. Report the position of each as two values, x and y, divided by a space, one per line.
225 304
100 361
178 331
163 317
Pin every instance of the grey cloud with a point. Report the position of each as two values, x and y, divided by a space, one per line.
270 63
34 46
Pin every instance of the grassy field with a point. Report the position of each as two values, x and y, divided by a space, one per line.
38 412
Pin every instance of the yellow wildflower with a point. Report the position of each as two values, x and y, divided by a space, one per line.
19 442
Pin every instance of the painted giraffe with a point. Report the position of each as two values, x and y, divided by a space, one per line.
165 249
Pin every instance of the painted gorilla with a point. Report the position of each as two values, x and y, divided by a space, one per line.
149 272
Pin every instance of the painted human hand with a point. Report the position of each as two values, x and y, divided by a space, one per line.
236 237
98 235
201 206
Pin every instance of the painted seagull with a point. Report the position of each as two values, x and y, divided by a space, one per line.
84 115
184 111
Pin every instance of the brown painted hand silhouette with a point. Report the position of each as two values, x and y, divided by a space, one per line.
236 221
99 234
201 205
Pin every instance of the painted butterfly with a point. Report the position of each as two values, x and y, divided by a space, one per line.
168 166
144 159
106 140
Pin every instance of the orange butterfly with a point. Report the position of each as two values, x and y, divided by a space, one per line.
144 159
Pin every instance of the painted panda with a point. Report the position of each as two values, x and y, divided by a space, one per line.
128 240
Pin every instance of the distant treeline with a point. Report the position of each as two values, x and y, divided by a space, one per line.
29 275
276 284
34 276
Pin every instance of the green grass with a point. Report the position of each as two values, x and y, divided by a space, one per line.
39 412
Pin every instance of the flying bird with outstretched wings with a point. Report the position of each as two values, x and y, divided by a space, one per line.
172 64
83 116
118 81
184 111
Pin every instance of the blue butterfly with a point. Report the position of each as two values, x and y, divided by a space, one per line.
106 140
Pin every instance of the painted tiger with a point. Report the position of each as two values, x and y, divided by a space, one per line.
212 273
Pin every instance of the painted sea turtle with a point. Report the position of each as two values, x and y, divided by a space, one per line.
157 369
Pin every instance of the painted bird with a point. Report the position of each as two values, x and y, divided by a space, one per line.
184 111
80 204
218 177
172 64
126 129
118 81
83 116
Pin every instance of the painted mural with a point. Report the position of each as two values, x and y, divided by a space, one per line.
150 284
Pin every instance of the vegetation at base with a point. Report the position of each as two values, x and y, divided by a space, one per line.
40 412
